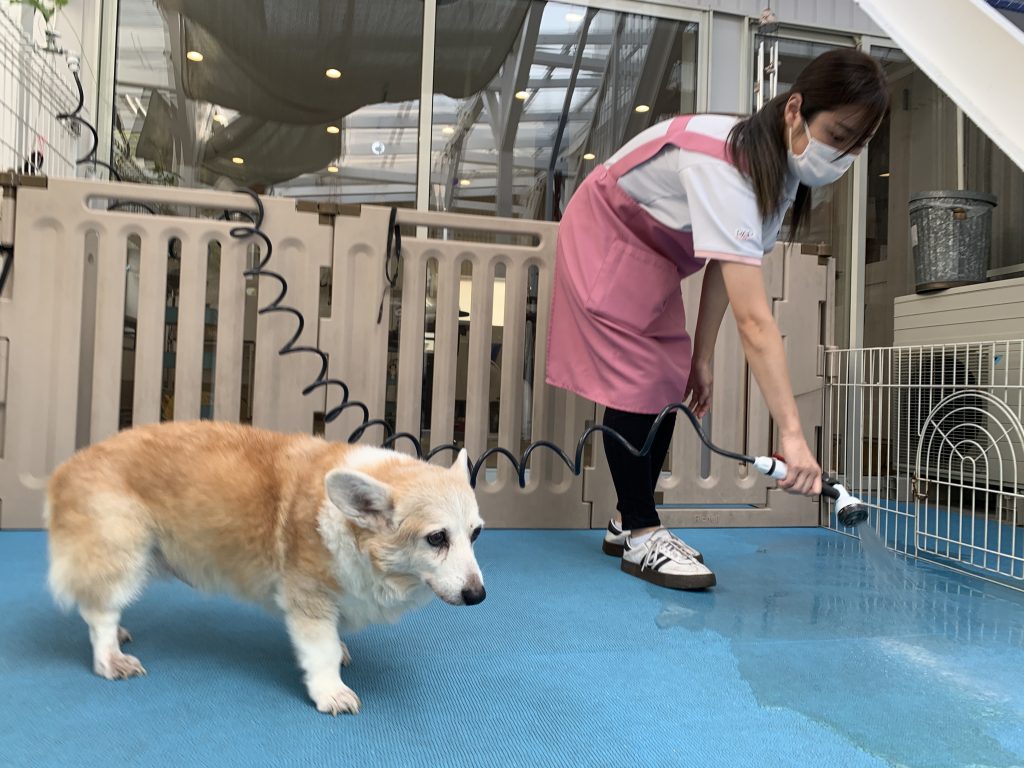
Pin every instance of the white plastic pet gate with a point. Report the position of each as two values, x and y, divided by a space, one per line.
932 438
128 304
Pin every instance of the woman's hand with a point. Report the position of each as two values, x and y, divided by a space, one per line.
803 473
698 387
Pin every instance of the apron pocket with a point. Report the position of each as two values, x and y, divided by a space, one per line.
632 287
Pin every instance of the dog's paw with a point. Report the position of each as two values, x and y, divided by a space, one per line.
346 657
123 636
341 700
119 667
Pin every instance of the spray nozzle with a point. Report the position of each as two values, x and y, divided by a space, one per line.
850 510
853 515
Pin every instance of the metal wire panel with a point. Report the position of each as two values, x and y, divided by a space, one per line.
34 88
931 437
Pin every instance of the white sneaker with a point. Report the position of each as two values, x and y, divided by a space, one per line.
615 540
663 560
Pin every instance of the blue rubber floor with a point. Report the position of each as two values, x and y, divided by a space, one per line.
814 650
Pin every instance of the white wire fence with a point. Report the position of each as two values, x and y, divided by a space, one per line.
35 87
931 438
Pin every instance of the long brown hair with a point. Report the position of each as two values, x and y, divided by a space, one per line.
838 78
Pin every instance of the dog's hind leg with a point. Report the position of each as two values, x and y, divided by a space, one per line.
104 616
346 656
108 660
100 550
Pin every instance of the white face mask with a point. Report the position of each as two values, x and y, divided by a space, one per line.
817 165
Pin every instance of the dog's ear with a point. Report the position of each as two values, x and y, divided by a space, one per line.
461 465
366 501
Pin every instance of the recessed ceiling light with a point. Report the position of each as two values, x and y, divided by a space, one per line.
522 95
464 182
194 56
448 130
332 169
333 129
238 160
589 156
575 18
333 73
641 108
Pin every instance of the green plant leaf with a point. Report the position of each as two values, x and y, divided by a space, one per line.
46 10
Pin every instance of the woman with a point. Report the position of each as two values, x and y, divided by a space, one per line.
696 191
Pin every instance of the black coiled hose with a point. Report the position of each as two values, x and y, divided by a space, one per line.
90 156
574 463
8 253
73 115
254 229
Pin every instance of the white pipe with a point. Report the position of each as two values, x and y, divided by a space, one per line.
960 149
426 107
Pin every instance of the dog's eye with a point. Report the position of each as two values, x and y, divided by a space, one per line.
475 534
438 539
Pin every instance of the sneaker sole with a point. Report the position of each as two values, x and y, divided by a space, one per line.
698 581
610 548
616 550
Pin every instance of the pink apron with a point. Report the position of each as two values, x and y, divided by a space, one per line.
617 333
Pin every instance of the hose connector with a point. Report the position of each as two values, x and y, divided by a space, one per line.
773 468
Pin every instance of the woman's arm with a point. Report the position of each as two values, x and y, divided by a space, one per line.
713 301
762 344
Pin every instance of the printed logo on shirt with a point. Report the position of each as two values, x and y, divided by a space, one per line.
744 234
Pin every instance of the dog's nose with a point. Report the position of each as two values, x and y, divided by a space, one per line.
474 596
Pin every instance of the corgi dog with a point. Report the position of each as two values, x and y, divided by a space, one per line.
333 535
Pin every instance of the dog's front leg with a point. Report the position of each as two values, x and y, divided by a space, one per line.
346 656
319 650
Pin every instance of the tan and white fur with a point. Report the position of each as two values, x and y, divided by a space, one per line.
334 535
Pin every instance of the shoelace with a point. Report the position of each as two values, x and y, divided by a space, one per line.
669 546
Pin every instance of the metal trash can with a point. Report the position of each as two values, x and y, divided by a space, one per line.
951 238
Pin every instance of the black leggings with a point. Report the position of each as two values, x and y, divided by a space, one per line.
636 477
